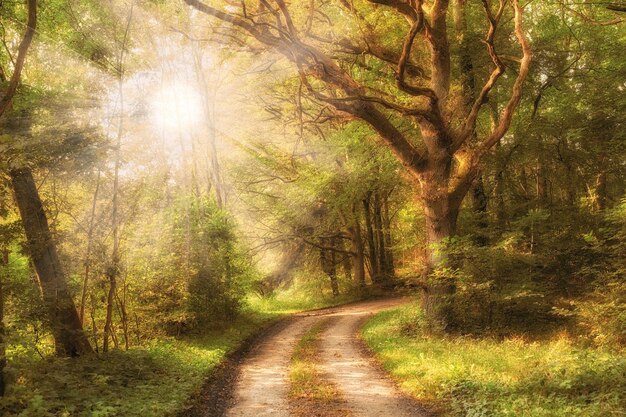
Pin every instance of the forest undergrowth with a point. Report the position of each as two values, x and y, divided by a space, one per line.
553 375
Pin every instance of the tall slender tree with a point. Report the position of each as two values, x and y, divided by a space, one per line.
62 315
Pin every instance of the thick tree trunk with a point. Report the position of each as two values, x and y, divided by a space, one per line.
441 213
68 332
438 296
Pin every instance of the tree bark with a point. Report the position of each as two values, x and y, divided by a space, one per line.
390 267
441 212
328 262
381 250
4 263
358 250
371 242
542 184
70 340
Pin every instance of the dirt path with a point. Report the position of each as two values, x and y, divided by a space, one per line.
366 388
263 385
263 382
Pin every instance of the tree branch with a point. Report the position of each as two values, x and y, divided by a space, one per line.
516 94
470 122
31 26
417 27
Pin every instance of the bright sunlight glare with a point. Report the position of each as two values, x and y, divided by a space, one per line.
176 107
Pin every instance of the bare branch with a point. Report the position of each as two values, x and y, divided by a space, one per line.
417 27
516 94
470 122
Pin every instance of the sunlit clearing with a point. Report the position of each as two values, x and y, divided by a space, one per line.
176 107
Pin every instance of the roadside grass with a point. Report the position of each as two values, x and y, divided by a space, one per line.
310 393
155 379
461 376
295 299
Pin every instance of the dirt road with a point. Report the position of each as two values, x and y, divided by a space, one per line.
262 386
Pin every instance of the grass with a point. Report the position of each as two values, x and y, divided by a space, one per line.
156 379
294 299
310 393
151 380
484 377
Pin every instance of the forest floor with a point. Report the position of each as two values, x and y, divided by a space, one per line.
262 385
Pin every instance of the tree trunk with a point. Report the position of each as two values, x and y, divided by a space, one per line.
358 250
108 322
346 260
83 298
68 332
479 207
4 262
601 191
390 267
499 196
334 284
438 296
542 184
373 259
441 213
328 262
381 251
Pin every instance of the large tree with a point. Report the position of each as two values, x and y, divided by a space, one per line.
62 315
417 109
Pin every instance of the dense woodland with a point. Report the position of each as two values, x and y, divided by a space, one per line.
169 166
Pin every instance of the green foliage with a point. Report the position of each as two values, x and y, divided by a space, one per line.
601 312
549 268
463 376
200 274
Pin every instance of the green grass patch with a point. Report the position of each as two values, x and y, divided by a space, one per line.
304 374
294 300
486 377
311 393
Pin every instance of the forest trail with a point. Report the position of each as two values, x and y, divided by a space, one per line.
263 384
